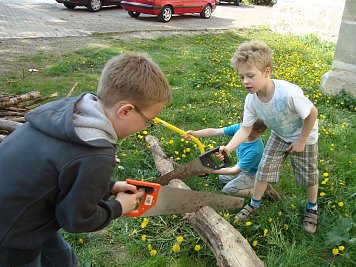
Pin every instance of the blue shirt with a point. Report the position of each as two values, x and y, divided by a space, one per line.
248 153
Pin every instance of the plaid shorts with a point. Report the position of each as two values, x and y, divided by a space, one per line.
304 164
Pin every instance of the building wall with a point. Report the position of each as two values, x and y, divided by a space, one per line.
304 17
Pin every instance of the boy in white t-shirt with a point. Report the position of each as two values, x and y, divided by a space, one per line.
292 118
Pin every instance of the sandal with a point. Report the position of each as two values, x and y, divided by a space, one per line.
310 222
245 213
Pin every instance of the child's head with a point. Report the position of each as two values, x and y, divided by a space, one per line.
133 90
253 53
258 127
133 77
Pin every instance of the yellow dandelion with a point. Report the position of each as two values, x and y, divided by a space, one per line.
326 174
248 223
335 251
153 252
270 219
162 138
322 194
140 136
188 149
340 204
341 248
292 206
145 132
81 241
123 155
144 238
149 247
134 231
254 243
197 247
265 232
279 213
176 248
180 239
144 222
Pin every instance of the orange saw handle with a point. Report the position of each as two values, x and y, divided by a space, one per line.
149 198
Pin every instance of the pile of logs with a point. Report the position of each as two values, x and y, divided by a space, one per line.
14 107
230 248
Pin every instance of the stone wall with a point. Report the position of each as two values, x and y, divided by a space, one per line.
304 17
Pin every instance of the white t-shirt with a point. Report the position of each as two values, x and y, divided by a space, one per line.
284 114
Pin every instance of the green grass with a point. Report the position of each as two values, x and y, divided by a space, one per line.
207 93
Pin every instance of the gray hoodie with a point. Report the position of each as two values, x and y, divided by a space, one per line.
55 172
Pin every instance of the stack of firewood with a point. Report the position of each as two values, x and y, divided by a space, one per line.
14 107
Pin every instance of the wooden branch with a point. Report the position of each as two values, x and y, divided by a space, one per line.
13 101
9 125
230 248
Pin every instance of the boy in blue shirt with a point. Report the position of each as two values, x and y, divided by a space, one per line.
239 179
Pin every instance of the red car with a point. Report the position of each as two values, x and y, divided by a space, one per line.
164 9
92 5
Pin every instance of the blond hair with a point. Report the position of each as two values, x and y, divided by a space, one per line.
133 77
256 53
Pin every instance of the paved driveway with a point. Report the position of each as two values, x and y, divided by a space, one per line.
47 18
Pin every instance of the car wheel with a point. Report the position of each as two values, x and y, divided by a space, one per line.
166 14
206 12
69 6
134 14
94 5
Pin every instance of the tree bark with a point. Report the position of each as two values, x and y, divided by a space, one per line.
9 125
13 101
230 248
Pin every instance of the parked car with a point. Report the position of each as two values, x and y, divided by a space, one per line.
237 2
92 5
165 9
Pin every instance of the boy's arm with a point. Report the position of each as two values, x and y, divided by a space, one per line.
299 144
239 137
228 171
208 132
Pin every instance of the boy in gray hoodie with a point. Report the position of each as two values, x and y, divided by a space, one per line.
56 169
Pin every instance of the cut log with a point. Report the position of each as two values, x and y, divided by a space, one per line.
230 248
13 101
9 125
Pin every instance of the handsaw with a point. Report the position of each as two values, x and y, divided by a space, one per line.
166 200
202 165
181 132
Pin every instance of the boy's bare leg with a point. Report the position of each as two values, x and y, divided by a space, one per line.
312 193
259 189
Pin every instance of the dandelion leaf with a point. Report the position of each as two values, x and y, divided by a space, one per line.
339 233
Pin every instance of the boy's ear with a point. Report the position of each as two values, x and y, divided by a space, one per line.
268 71
123 110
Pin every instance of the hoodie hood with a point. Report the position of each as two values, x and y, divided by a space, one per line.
76 119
